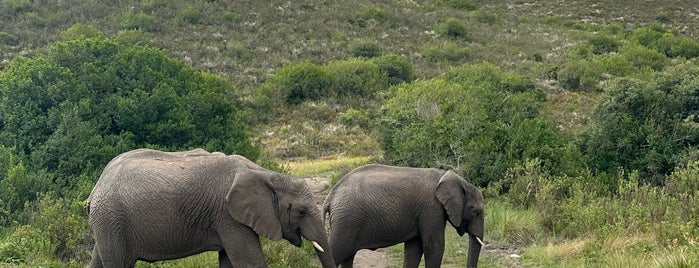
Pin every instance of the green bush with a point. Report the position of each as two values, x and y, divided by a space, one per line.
452 28
190 14
581 75
18 5
396 67
648 36
352 118
466 5
354 78
484 16
603 44
58 230
139 21
678 46
8 39
133 37
366 49
476 119
296 83
79 30
71 110
640 59
448 51
373 13
644 126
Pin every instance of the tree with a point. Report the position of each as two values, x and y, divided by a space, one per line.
71 110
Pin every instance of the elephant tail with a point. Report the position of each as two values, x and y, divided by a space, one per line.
326 213
87 206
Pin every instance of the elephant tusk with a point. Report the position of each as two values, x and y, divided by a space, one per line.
480 241
317 246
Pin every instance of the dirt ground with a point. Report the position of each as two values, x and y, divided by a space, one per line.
507 256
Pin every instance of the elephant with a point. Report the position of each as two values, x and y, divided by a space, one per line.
151 205
375 206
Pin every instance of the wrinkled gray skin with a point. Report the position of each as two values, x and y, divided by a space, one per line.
376 206
151 205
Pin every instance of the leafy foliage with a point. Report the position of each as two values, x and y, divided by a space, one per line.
645 126
296 83
476 119
452 28
67 112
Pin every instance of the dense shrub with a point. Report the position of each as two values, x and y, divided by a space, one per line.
296 83
366 49
581 75
452 28
58 230
373 13
71 110
477 119
355 78
349 81
190 14
459 4
645 126
139 21
396 67
603 44
447 52
668 43
484 16
79 30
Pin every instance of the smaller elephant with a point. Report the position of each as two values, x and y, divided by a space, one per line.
376 206
151 205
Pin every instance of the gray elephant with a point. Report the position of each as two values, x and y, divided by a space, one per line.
375 206
151 205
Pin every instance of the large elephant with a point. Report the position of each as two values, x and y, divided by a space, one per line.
375 206
151 205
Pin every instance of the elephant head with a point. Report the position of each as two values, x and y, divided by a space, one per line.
463 203
278 206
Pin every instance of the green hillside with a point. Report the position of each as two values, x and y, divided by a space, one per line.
578 119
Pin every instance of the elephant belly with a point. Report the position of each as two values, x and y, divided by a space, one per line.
382 235
170 240
163 248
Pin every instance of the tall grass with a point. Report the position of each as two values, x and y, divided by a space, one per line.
328 166
641 250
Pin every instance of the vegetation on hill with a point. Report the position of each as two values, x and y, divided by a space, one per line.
579 120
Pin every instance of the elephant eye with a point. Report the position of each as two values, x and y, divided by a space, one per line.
303 212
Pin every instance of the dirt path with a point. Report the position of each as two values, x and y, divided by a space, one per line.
507 255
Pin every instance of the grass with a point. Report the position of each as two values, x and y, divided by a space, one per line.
326 166
640 250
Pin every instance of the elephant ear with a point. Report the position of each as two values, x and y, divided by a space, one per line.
252 202
451 194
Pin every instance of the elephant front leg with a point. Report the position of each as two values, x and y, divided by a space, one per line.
433 248
412 253
242 249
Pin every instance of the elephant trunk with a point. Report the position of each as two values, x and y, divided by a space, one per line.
474 251
325 257
316 234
